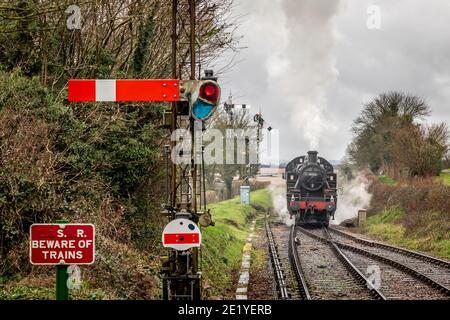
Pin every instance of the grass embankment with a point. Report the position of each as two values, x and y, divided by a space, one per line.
388 226
415 216
387 180
223 243
43 289
445 177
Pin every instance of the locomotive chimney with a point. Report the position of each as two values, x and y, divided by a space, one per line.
312 156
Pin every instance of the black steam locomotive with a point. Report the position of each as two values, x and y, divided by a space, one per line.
311 189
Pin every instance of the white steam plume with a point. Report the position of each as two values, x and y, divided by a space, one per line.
279 202
356 196
307 65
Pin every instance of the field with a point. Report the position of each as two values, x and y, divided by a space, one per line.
445 177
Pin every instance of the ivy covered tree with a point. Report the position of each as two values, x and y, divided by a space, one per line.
388 137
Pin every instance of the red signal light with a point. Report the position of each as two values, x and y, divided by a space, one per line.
210 92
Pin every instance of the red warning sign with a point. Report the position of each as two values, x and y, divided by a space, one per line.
181 235
52 244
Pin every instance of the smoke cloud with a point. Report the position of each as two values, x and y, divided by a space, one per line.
306 65
356 196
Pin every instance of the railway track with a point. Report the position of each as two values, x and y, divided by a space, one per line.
326 271
280 279
414 254
396 281
285 283
328 263
431 271
296 266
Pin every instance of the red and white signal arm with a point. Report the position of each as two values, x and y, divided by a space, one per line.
181 235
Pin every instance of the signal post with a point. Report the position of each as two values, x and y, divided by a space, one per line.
192 102
195 101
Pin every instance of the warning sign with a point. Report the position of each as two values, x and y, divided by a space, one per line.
181 235
52 244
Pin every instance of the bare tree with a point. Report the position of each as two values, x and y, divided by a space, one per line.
420 149
228 172
127 38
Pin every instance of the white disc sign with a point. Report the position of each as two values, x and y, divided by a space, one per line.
181 235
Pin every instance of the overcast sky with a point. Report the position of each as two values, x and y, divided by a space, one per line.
311 64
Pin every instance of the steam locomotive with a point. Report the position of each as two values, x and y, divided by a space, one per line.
311 190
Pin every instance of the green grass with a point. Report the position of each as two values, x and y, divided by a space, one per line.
387 180
223 243
387 216
445 177
261 198
27 293
35 292
387 226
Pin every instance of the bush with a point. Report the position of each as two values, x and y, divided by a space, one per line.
84 163
412 214
421 195
123 271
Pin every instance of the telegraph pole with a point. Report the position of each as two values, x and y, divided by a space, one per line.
181 276
168 262
196 283
174 104
192 120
